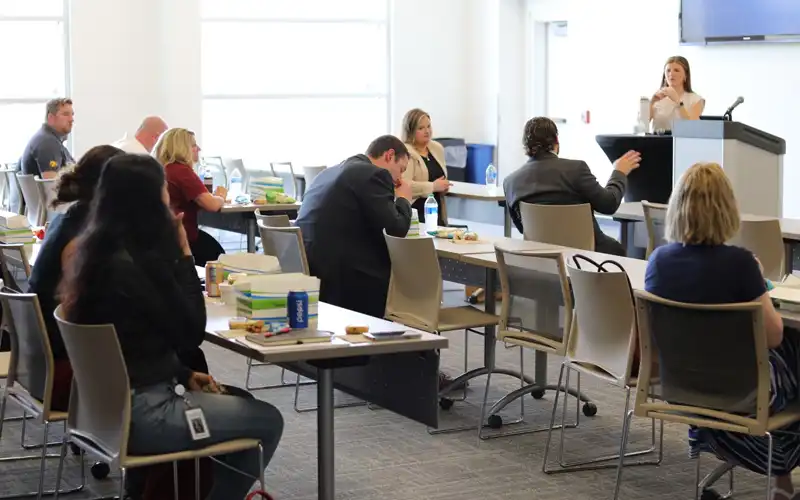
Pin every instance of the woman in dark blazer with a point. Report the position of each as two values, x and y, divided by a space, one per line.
547 179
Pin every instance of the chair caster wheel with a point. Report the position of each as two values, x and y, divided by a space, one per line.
445 404
75 449
589 409
537 394
709 494
100 470
495 421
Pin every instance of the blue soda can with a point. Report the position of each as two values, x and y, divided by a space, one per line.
298 310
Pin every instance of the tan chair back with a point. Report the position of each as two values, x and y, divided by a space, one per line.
280 220
13 256
32 363
415 287
565 225
287 243
654 216
765 239
713 363
47 193
99 405
536 300
604 331
32 198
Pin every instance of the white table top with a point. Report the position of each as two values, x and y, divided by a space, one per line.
453 249
632 211
635 268
331 318
233 208
476 191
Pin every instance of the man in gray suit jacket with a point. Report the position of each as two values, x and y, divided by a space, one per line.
549 180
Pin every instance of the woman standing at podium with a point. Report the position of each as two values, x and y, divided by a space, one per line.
675 100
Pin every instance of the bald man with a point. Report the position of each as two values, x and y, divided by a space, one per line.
145 138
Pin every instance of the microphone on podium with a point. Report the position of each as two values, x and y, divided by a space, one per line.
729 113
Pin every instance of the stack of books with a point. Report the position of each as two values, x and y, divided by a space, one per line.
265 297
265 188
14 228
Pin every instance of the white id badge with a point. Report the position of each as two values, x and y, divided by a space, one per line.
197 424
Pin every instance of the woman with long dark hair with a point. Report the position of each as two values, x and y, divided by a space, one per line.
133 267
675 99
76 187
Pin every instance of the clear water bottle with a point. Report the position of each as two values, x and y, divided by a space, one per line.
491 175
431 214
236 184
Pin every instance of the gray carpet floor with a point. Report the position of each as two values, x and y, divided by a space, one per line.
380 455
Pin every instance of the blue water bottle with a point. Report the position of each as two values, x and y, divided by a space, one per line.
297 310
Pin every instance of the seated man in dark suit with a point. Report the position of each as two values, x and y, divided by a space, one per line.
549 180
343 216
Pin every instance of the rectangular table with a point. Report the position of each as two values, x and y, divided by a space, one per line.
469 267
241 218
400 375
631 219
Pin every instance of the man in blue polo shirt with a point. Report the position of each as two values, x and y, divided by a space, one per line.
45 153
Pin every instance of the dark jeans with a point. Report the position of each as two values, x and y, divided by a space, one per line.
205 248
158 425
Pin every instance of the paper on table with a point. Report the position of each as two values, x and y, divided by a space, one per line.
786 294
313 345
231 334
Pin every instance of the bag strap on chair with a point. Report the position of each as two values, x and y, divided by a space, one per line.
601 268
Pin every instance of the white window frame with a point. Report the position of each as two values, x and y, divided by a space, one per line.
65 20
387 23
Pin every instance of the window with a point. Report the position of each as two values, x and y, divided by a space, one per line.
304 81
34 72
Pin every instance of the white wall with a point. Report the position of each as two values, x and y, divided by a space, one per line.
115 77
133 57
618 51
429 63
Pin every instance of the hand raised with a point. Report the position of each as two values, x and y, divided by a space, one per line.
628 162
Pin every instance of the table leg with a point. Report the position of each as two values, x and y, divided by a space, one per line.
251 235
325 443
623 233
507 223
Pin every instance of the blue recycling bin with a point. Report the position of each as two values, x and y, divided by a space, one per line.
479 156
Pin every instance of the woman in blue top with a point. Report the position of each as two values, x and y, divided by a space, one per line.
698 267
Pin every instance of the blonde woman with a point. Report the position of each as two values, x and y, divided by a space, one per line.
426 170
696 266
178 151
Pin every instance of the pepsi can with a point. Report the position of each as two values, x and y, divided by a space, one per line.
298 310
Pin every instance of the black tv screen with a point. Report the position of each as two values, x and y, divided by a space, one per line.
712 21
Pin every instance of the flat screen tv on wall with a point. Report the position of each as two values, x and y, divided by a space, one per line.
726 21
